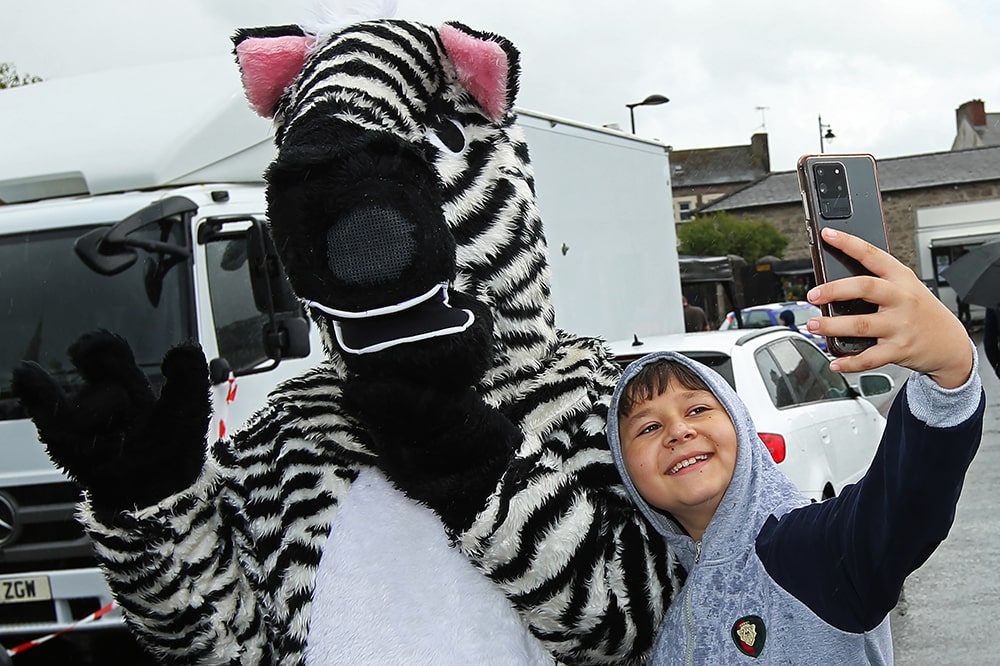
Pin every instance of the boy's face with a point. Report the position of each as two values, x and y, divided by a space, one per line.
680 450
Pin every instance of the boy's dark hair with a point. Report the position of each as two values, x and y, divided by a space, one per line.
653 380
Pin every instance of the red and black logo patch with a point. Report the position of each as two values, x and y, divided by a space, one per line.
749 635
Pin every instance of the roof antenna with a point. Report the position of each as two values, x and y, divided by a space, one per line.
763 120
636 342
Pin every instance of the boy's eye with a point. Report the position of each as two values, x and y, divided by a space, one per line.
698 410
646 429
650 428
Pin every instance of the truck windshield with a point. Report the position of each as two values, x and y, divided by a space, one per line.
48 297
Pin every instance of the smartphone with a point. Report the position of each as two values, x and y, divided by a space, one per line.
842 192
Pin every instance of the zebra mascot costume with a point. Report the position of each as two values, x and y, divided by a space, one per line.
439 491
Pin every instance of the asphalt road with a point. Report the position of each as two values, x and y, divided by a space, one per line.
950 611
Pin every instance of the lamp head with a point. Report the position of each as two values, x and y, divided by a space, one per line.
652 100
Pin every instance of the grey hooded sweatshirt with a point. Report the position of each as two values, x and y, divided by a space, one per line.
778 579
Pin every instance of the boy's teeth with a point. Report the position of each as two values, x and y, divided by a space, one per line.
685 463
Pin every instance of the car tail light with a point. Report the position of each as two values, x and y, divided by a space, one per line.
775 444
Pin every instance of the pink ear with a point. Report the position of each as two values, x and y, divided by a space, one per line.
268 65
482 67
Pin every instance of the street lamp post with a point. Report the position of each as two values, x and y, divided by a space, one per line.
823 138
652 100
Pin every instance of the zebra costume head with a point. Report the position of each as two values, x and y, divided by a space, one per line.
402 199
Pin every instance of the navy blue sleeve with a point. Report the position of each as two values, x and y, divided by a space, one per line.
847 558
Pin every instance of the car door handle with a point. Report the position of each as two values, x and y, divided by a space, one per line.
824 434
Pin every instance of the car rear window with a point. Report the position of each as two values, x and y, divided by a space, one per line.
721 363
757 319
803 315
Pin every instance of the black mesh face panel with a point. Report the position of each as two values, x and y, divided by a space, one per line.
371 245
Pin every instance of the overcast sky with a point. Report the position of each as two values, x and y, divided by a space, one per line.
886 76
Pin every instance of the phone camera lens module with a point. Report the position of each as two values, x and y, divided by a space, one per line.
830 183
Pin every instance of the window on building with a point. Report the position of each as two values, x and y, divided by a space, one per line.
685 210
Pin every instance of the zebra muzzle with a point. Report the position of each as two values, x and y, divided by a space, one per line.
427 316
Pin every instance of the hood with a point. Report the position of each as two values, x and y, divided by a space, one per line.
757 490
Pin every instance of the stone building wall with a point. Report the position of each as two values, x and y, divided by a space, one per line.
900 212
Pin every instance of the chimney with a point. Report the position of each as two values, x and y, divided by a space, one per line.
974 111
760 155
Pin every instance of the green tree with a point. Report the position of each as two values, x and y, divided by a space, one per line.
723 233
9 78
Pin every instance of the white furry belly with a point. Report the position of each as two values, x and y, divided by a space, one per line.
390 590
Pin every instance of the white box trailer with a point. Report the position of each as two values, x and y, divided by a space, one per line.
170 158
606 205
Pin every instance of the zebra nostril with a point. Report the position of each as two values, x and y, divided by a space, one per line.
370 245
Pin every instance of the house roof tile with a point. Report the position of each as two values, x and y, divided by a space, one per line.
895 174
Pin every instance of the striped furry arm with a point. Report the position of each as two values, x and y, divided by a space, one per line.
174 572
568 546
571 553
223 572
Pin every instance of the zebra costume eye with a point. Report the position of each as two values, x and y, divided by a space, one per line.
447 134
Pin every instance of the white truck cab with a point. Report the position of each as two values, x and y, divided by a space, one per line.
157 267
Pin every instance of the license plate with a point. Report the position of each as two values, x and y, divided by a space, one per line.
18 590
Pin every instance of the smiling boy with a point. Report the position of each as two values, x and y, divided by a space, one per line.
688 473
772 577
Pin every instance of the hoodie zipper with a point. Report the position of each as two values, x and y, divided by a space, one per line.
689 616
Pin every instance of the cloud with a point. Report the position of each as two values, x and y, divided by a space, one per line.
886 76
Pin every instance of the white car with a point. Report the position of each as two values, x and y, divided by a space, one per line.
822 432
769 314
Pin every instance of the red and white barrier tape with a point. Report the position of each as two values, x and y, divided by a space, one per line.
230 398
101 612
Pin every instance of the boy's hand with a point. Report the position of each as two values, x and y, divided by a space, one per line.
914 329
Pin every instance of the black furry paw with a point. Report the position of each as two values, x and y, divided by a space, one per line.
112 434
444 448
103 357
40 395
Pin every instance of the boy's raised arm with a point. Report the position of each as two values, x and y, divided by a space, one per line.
847 558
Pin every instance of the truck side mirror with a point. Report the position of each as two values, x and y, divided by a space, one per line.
218 371
90 247
111 250
287 338
271 289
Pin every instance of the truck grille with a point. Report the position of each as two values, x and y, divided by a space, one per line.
44 538
46 534
43 612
